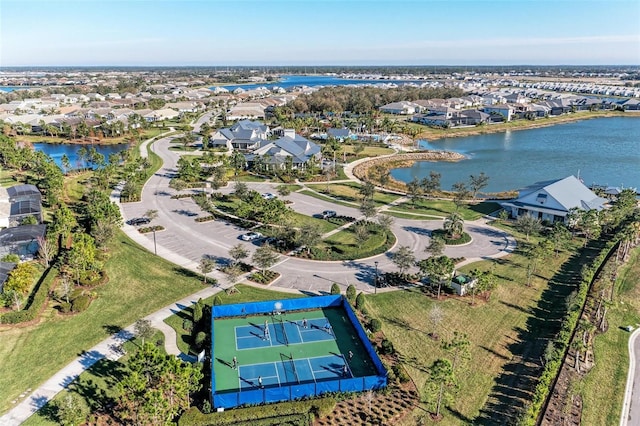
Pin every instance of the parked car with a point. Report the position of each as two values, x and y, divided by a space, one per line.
250 236
268 196
329 213
138 221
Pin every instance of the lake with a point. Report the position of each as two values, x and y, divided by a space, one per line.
604 151
56 151
288 81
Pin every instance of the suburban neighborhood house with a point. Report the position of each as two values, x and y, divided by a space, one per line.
552 200
18 202
21 240
243 135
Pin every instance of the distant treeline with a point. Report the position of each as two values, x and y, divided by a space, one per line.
363 100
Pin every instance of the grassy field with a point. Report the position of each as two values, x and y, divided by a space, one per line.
246 294
350 192
443 208
602 389
298 220
139 283
496 329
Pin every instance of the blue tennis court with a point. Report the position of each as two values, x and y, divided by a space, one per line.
292 371
280 332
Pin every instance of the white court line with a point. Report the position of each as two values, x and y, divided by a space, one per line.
278 374
311 369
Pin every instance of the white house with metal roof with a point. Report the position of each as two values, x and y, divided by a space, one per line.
552 200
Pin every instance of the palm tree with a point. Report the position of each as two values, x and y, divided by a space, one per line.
454 224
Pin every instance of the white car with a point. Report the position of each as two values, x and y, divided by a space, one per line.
250 236
329 213
268 196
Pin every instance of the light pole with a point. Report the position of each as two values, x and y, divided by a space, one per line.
155 247
376 279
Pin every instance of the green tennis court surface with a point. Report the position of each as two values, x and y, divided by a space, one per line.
289 348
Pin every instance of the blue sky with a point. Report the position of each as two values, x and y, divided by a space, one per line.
311 32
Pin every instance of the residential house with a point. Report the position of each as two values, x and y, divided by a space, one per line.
243 135
340 134
18 202
5 270
246 110
21 240
161 115
506 111
402 108
552 200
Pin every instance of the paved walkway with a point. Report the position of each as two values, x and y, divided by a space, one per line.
630 415
302 275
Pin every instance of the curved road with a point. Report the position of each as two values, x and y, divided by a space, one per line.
631 407
185 241
191 240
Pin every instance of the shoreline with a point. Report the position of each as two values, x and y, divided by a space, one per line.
436 134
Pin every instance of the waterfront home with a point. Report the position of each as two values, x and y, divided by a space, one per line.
290 147
506 111
552 200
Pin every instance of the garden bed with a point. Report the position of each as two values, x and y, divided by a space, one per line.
148 229
264 277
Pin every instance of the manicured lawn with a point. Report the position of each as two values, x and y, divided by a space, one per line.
350 192
139 283
101 377
246 294
249 178
602 389
299 219
344 246
495 329
443 208
326 198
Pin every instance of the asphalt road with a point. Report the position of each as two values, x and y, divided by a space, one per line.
191 240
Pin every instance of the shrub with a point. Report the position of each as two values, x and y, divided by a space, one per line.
386 347
65 307
351 294
11 258
375 325
200 339
147 229
335 288
197 312
205 218
360 301
217 301
35 302
80 303
187 324
400 373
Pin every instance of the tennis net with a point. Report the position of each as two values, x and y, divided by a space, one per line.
283 331
289 366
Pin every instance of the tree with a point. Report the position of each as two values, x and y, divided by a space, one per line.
368 208
264 257
476 183
309 235
559 237
441 385
487 282
205 266
403 258
46 250
438 269
151 214
459 348
351 293
197 311
21 278
431 184
143 329
385 221
335 288
414 190
454 225
62 224
578 346
71 410
238 252
436 246
528 225
367 190
461 193
238 161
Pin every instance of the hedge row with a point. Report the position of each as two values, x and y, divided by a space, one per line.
179 196
205 218
271 414
148 229
563 339
35 302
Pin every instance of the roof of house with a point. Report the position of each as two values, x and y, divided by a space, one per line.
569 192
300 148
22 190
5 270
20 234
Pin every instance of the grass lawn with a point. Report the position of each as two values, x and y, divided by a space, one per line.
350 192
297 220
246 294
75 185
418 216
443 208
326 198
139 283
602 389
101 377
344 246
249 178
7 178
495 328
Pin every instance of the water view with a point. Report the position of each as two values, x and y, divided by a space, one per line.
56 151
289 81
604 151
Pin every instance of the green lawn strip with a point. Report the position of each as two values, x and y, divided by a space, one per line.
139 283
246 294
249 178
443 208
418 216
350 192
326 198
101 378
602 389
75 185
344 246
492 327
291 187
299 219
